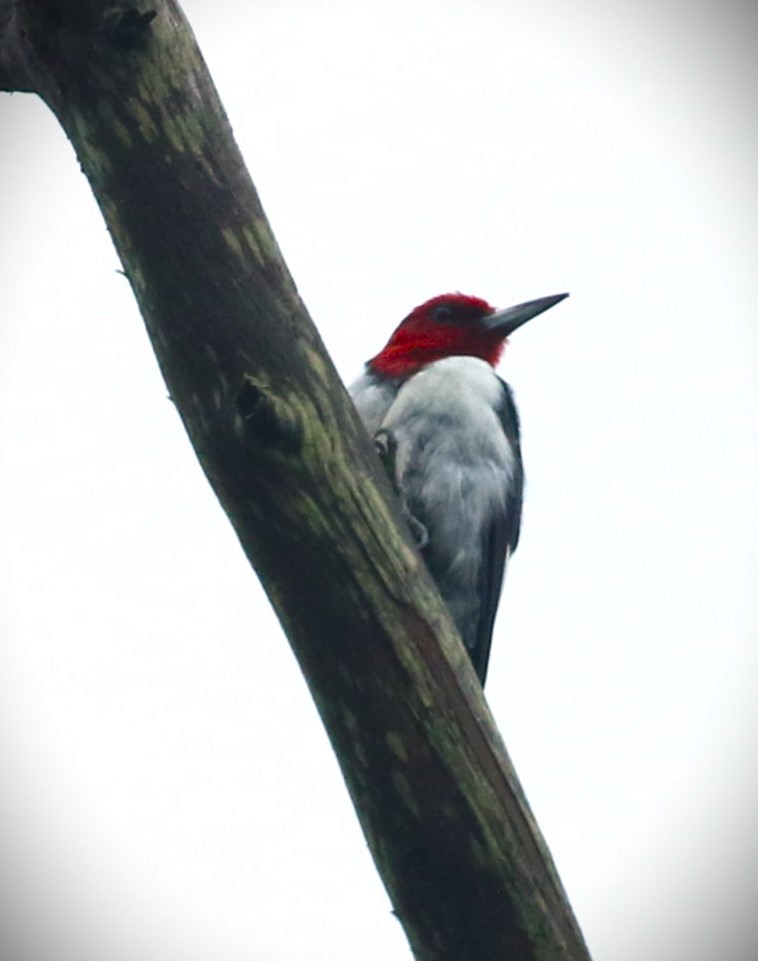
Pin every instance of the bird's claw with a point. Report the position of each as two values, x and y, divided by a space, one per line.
418 530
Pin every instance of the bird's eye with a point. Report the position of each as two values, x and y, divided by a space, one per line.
443 313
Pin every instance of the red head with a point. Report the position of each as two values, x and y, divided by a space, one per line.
453 325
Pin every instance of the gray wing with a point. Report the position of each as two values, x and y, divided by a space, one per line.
373 397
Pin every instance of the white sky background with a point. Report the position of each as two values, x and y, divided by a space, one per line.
168 793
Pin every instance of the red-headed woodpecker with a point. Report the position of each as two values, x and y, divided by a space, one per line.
432 399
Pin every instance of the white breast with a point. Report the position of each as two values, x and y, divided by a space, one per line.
451 410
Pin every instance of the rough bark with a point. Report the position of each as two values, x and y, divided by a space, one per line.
446 821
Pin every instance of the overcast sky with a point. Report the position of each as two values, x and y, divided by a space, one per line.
167 791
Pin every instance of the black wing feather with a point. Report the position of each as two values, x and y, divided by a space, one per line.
499 541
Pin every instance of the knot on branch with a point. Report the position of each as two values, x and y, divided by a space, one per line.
267 419
126 28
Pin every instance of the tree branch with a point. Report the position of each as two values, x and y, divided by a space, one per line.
14 74
280 443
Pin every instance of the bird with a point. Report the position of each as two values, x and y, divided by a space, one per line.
448 430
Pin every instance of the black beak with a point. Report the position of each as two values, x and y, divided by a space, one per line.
504 322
